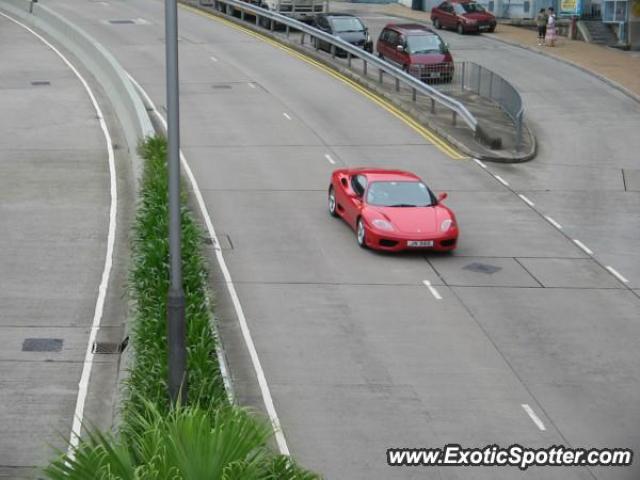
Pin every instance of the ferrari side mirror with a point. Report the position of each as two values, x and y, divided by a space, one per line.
442 196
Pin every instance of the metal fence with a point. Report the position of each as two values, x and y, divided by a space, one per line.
469 76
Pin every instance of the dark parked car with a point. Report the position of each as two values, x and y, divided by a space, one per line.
464 16
348 27
418 50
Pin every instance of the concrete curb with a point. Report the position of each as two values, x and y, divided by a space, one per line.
127 105
412 111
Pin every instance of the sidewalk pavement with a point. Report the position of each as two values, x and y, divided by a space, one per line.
615 66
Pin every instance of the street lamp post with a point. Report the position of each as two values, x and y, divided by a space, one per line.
175 298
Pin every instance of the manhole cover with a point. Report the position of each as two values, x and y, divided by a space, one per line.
42 345
482 268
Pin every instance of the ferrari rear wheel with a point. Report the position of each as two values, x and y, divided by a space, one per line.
361 234
332 202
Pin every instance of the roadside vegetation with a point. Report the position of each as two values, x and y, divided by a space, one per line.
205 439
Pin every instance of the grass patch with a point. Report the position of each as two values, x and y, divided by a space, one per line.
206 439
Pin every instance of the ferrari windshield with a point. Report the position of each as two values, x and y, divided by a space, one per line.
347 24
399 194
424 44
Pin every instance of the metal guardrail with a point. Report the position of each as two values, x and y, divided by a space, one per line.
472 77
269 20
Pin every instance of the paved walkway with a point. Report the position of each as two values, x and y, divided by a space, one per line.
620 67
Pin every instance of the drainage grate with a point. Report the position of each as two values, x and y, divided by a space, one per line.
482 268
122 22
42 345
221 86
40 83
109 348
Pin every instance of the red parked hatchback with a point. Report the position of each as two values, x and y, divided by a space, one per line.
418 50
465 16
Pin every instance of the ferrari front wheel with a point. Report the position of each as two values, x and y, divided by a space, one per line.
332 202
361 234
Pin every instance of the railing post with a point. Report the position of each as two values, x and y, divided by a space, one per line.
333 51
433 106
413 94
302 39
491 84
463 73
288 28
479 78
380 74
455 117
242 15
519 131
365 67
257 20
397 85
349 59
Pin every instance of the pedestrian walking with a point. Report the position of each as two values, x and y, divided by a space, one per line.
541 22
551 34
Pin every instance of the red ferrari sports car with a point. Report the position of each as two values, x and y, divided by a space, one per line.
392 210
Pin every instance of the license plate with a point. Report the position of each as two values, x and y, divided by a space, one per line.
420 243
484 27
434 74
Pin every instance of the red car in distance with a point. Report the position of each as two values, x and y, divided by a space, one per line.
392 210
416 49
464 16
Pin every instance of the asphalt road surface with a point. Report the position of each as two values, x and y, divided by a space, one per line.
54 217
359 354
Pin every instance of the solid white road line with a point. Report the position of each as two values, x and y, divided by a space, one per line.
527 201
617 274
501 180
583 246
433 291
244 327
534 417
251 85
83 386
331 160
479 163
213 59
553 222
286 115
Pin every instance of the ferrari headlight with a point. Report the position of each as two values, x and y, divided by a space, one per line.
382 224
447 224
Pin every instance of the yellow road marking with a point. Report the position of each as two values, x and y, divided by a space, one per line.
423 131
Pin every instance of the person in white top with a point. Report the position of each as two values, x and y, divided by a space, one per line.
552 32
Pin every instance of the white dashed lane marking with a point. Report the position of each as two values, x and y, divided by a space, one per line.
553 222
527 201
433 291
583 246
617 274
534 417
329 159
501 180
286 115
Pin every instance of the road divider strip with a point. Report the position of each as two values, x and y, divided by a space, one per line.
417 127
233 294
526 200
